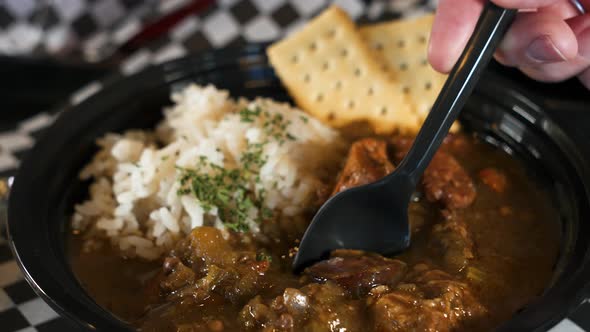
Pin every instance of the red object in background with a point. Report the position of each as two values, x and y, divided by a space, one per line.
52 81
164 24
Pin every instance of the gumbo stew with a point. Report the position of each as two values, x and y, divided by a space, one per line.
485 239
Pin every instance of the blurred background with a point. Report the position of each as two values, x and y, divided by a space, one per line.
48 48
91 30
55 52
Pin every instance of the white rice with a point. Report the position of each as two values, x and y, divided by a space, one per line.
134 201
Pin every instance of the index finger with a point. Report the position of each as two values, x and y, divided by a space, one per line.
453 25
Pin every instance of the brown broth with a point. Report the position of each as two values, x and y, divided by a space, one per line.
516 250
114 282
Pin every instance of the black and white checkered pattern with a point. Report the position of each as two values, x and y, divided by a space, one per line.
70 28
15 142
20 308
100 24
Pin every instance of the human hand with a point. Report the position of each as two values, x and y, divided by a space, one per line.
549 40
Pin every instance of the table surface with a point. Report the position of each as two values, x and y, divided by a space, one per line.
226 23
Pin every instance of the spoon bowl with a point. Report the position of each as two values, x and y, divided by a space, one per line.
372 217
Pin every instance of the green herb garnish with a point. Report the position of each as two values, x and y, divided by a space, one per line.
275 126
227 189
231 190
248 115
262 256
253 158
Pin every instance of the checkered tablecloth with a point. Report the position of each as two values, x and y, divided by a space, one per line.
71 29
227 22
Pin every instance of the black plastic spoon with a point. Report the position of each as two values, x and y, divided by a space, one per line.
374 217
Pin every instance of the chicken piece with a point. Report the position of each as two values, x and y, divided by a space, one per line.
176 275
315 307
402 145
447 182
428 300
367 162
205 263
444 180
357 271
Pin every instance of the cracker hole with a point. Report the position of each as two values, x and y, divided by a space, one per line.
358 72
326 65
427 86
383 110
313 46
319 98
344 52
424 62
370 91
331 33
401 43
331 116
295 58
338 85
350 104
422 39
378 46
406 89
385 67
306 78
403 66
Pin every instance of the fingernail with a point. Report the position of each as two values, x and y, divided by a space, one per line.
543 50
584 44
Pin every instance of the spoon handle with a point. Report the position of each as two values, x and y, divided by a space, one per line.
491 27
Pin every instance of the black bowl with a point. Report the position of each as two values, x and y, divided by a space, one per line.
47 185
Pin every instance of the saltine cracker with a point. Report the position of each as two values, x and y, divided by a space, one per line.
330 72
401 47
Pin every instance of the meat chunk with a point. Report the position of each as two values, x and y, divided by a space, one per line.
205 263
428 300
494 179
444 180
315 307
367 162
452 238
402 145
403 310
358 272
447 182
177 275
281 313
